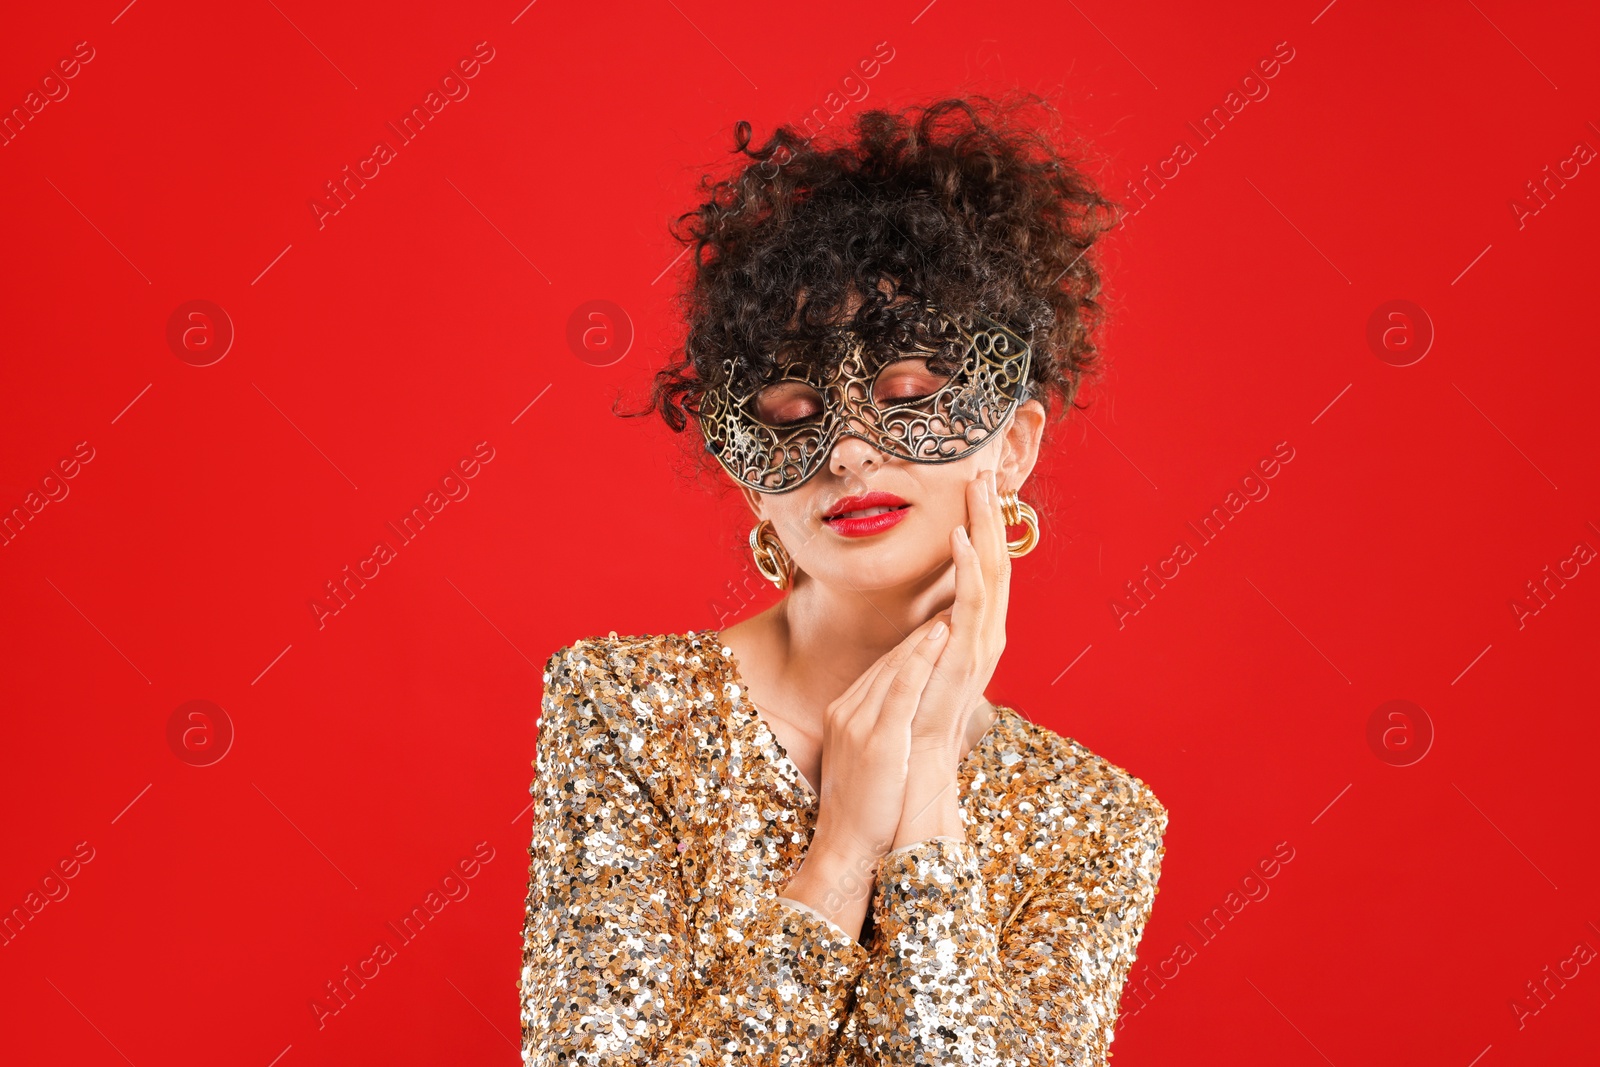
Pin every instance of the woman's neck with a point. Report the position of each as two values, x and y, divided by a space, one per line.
802 653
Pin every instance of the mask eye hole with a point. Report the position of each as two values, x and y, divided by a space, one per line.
787 402
906 381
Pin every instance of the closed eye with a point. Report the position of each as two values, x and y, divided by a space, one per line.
786 403
906 381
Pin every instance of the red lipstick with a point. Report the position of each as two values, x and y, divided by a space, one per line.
840 518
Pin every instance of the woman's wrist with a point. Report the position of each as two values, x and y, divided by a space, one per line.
839 887
932 803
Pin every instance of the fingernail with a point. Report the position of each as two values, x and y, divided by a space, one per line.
937 631
961 532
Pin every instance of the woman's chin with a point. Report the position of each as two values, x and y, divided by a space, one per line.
865 570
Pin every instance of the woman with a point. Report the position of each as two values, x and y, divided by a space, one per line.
809 838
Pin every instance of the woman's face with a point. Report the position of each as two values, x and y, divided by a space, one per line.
821 523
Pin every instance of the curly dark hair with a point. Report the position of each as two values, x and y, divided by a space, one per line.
963 204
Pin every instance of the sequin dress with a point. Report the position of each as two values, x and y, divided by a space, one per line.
668 820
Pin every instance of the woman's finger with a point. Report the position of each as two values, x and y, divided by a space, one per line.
854 698
866 676
989 538
971 606
903 693
987 529
872 700
1000 586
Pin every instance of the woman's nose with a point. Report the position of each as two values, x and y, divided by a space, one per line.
854 452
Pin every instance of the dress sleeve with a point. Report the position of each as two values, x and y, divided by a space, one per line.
944 986
608 973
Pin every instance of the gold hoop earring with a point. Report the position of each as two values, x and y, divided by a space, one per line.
772 559
1019 513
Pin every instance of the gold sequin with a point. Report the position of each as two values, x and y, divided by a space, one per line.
667 821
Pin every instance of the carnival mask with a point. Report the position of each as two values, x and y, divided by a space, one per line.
776 436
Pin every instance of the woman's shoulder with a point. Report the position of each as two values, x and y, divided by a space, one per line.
615 699
1098 789
632 681
636 657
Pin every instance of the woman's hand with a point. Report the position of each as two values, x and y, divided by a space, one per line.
892 743
866 749
977 633
939 731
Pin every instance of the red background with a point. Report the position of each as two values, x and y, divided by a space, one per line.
432 312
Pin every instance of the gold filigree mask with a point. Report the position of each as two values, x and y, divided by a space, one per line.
776 436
